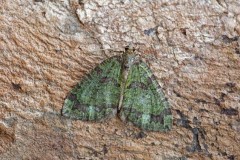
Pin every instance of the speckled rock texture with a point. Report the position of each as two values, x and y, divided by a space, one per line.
192 47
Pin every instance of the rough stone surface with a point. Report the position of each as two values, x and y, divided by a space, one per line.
47 46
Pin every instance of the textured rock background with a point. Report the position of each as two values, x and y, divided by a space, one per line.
47 46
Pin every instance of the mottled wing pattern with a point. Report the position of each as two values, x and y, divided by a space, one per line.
97 95
144 103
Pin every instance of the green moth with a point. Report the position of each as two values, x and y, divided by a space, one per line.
122 85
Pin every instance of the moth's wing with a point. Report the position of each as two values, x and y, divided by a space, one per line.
144 103
96 96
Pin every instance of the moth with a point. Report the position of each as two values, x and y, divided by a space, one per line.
121 85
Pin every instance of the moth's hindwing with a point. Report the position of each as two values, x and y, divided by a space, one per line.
144 103
96 96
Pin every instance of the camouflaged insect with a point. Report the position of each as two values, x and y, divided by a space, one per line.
121 85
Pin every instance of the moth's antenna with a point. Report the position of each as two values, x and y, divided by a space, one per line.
111 49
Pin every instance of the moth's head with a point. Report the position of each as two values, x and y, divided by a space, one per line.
130 57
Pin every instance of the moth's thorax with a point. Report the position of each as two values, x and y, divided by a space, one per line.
129 59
